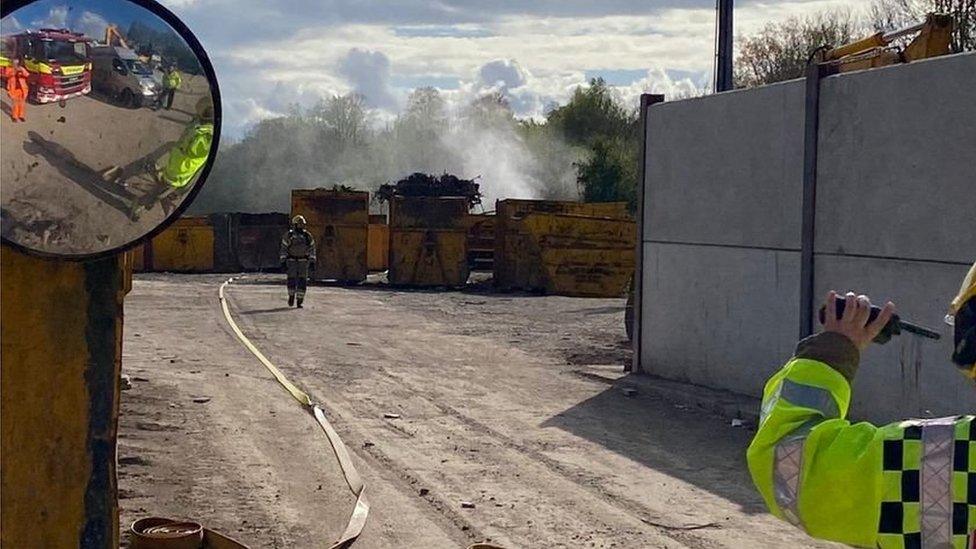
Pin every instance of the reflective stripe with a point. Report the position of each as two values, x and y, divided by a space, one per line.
809 396
938 437
787 469
805 396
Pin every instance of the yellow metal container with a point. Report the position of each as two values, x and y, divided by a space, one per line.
185 246
518 263
428 241
339 222
583 256
378 250
61 350
481 241
428 257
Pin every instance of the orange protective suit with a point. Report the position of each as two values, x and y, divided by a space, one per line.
17 90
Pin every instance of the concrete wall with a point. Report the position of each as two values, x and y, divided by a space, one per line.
895 195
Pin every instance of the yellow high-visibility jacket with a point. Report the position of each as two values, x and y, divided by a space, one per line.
189 155
910 484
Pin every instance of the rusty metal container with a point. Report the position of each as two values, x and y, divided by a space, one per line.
185 246
378 250
257 238
428 241
562 247
339 222
481 241
581 255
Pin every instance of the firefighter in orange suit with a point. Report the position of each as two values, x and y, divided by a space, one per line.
17 90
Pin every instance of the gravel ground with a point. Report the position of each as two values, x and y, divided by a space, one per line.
510 402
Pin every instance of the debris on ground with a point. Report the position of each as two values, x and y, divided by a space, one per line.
201 400
390 415
737 422
126 382
467 505
424 491
629 391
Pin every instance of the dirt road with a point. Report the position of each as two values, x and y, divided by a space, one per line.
510 402
54 196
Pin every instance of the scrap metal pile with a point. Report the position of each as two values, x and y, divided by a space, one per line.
421 184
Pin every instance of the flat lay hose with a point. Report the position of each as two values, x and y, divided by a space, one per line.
361 511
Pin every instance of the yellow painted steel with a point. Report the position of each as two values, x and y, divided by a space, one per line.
428 257
520 226
339 222
60 352
378 249
185 246
582 255
428 241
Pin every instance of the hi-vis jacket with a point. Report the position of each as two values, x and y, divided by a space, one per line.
910 484
188 155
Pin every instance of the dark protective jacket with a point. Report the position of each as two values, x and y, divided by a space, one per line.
297 244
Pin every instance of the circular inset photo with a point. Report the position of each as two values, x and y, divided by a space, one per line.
110 123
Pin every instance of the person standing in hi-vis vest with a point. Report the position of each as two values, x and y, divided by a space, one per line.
910 484
297 256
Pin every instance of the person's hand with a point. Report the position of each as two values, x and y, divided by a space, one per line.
854 322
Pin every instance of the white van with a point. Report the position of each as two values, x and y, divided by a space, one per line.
118 73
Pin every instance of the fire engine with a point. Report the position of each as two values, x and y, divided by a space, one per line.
58 60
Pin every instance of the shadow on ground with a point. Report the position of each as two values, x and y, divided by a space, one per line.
677 439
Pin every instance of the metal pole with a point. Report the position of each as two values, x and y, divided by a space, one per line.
646 101
723 45
808 228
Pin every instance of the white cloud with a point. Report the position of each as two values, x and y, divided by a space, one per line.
91 24
501 73
534 52
10 24
57 17
369 74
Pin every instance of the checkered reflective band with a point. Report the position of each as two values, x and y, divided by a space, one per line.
929 477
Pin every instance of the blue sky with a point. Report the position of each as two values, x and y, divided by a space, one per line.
88 16
270 54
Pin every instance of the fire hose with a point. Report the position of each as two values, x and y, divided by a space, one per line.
361 511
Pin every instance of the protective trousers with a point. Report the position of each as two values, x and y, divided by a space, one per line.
17 99
297 276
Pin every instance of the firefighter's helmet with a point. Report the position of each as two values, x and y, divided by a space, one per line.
298 222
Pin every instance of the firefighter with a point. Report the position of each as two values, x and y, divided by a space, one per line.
297 256
909 484
17 89
171 82
184 161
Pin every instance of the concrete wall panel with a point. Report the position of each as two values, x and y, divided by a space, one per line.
721 317
727 168
897 161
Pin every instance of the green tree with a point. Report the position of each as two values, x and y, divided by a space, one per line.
779 51
593 112
610 172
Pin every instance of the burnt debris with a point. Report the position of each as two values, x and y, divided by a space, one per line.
422 184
